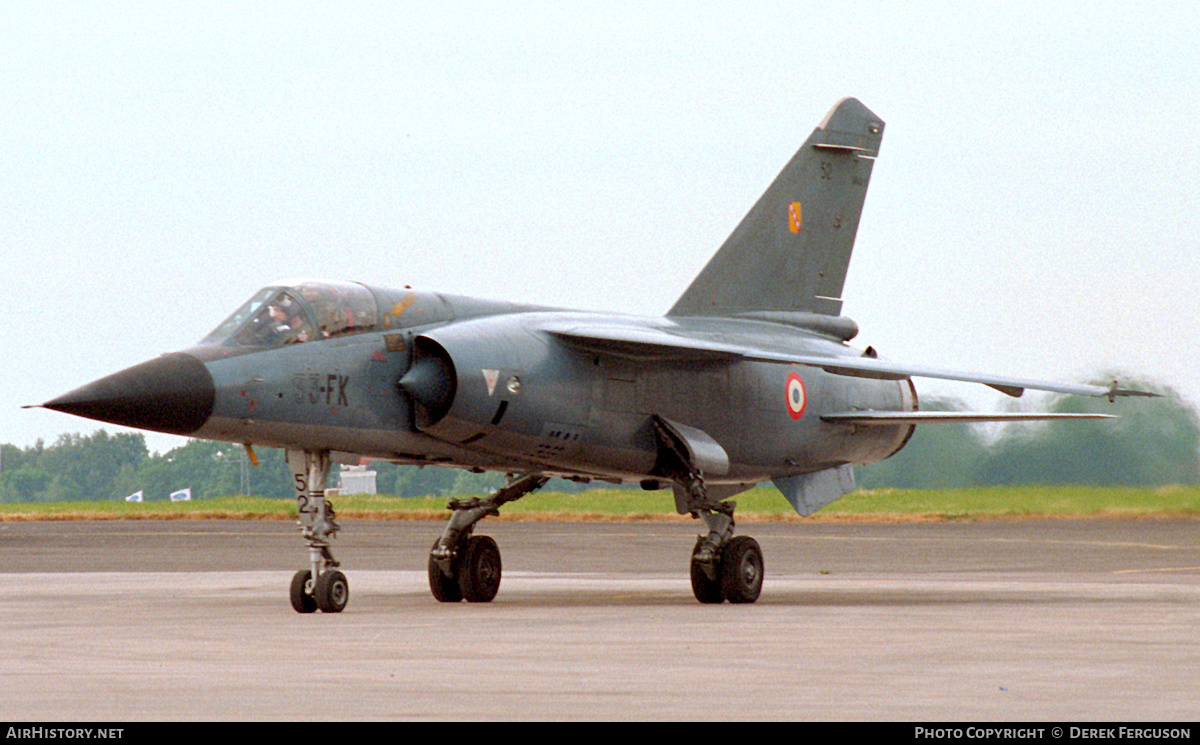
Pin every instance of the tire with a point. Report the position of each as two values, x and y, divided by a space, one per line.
445 589
479 569
302 602
741 570
331 591
706 590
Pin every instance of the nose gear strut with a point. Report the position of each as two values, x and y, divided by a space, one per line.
321 586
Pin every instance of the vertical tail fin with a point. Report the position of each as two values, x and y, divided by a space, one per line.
791 252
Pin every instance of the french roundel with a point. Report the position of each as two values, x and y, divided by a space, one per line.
797 397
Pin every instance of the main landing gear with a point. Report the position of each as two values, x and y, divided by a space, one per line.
321 586
463 566
724 566
733 573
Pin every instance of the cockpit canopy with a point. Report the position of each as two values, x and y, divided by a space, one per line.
297 312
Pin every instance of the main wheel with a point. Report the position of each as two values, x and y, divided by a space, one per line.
741 570
302 602
445 589
479 569
706 590
331 592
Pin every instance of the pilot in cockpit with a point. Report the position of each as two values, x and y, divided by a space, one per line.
288 324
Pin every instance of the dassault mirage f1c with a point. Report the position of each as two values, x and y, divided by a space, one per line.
748 378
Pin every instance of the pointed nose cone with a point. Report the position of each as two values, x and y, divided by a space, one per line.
173 393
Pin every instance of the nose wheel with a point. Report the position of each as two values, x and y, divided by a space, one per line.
301 592
329 594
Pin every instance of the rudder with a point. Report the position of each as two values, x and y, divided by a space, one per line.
791 251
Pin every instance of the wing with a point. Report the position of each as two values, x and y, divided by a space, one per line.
654 343
872 367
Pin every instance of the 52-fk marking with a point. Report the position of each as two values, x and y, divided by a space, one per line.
321 388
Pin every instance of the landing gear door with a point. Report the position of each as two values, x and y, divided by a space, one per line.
705 453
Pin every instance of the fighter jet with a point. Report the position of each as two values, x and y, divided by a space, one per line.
748 378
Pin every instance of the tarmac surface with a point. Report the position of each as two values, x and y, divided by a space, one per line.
1055 620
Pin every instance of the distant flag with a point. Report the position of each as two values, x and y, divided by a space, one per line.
135 497
183 495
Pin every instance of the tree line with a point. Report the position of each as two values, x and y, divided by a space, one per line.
1154 442
100 466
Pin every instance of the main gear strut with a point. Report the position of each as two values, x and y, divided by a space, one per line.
723 567
463 566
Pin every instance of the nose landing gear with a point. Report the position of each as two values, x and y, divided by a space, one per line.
320 587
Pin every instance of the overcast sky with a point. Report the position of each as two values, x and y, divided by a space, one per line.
1034 210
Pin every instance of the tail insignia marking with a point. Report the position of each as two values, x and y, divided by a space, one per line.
795 221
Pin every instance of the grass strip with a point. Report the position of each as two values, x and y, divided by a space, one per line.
762 504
